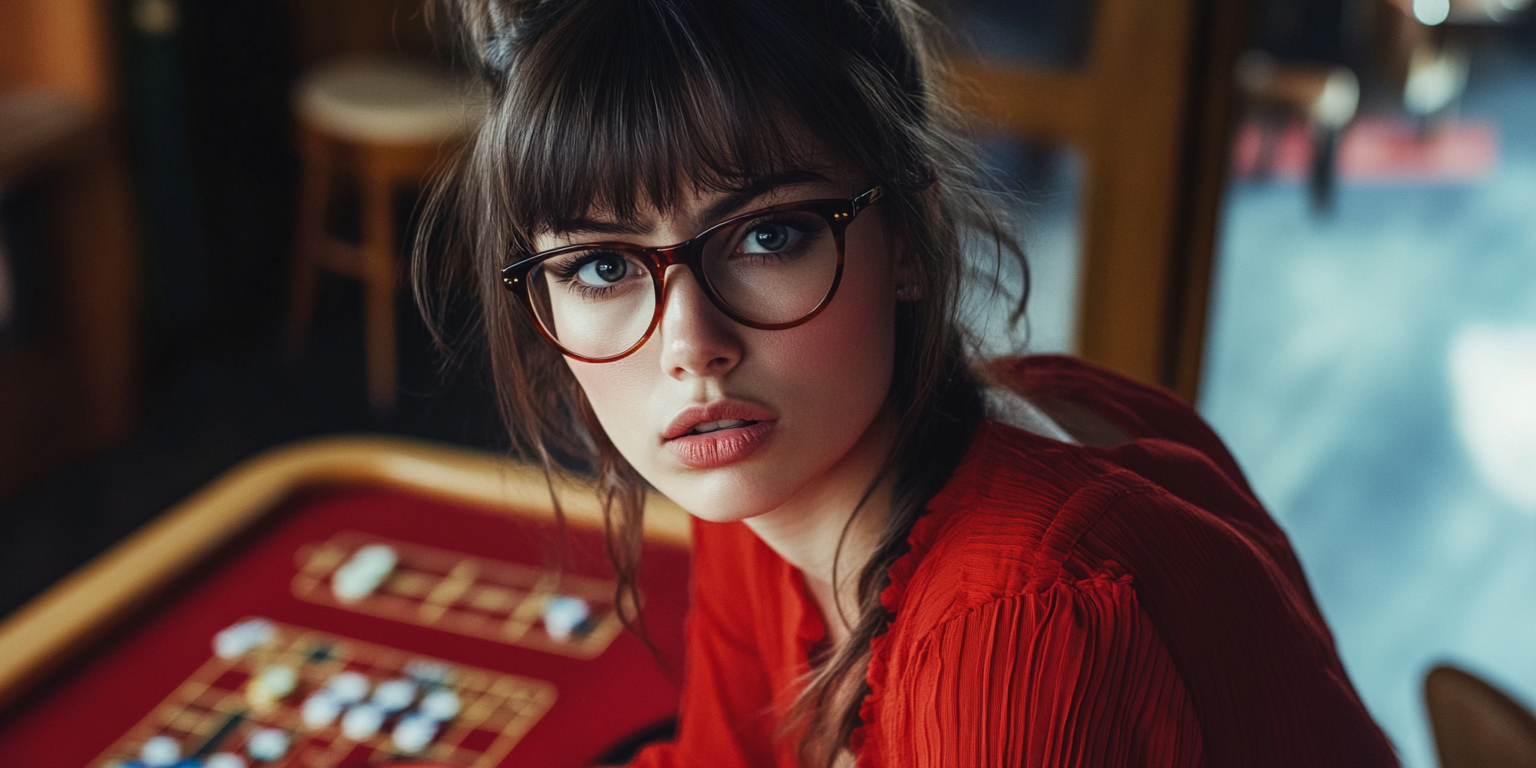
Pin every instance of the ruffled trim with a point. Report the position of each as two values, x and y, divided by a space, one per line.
926 531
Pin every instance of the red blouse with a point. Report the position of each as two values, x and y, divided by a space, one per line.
1060 605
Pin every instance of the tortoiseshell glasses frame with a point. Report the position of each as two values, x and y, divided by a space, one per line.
837 214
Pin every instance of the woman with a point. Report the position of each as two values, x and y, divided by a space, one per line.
717 245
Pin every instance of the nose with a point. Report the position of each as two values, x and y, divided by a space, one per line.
697 340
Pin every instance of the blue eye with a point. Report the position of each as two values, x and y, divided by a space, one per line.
770 237
603 270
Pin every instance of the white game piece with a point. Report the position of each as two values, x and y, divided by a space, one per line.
350 584
267 744
234 641
320 709
348 687
441 704
376 556
224 760
413 733
272 684
394 695
563 614
427 673
363 572
361 721
159 752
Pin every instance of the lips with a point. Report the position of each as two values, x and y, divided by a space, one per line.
704 437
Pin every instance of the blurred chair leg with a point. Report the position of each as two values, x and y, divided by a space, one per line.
1475 724
314 193
1324 172
379 288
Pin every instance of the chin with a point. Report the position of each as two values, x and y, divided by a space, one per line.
724 496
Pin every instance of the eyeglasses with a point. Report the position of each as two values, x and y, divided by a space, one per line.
770 269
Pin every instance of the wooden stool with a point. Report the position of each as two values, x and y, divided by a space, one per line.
385 122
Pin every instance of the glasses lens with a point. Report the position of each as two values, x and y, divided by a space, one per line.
594 303
773 269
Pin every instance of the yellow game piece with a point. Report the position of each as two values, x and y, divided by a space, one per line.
271 686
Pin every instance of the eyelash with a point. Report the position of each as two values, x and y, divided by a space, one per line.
794 220
565 273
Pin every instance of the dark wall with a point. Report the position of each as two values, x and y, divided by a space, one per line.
214 171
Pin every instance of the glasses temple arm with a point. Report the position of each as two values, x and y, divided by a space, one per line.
868 198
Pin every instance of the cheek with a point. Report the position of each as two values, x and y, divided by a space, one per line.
616 392
849 349
862 316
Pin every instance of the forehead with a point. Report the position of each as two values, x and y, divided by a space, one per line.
703 203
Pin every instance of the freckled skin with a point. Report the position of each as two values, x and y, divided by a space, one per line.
826 380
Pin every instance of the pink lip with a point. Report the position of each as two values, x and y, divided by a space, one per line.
723 446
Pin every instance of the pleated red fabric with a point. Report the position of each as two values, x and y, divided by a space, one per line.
1060 605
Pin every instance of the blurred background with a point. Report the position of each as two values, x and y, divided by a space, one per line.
1316 219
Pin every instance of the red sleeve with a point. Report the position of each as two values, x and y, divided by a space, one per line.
726 716
1072 675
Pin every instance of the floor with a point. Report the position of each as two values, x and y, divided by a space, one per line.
1374 370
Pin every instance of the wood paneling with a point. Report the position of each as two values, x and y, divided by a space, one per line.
58 80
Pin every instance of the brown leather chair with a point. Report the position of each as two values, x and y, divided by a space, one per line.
1475 724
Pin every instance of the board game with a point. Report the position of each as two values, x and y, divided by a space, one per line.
215 712
353 602
454 592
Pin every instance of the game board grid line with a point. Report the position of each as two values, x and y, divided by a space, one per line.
447 591
510 703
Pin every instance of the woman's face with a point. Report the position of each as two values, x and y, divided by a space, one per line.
732 422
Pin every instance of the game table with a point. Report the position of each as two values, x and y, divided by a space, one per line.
177 635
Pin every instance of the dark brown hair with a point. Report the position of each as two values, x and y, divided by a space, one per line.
626 105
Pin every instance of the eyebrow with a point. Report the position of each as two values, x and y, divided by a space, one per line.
737 198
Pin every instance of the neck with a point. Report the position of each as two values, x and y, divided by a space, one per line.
806 531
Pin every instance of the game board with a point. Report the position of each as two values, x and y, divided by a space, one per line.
212 712
454 592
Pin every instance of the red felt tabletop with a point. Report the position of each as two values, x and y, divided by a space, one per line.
599 701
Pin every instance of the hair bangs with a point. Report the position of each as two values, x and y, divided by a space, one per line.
647 101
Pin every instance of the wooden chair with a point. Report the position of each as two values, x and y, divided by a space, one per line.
1149 110
384 122
1475 724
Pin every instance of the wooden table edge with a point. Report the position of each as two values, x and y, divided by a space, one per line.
65 620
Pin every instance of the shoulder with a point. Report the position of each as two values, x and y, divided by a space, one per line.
1024 514
1011 521
1135 408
